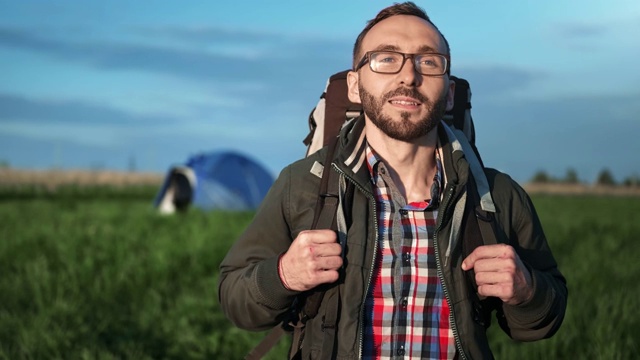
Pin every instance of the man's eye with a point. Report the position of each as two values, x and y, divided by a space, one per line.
387 59
429 61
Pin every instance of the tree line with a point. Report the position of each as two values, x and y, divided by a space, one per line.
605 178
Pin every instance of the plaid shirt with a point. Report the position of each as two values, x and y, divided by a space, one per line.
406 313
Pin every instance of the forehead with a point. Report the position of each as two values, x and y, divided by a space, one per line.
404 33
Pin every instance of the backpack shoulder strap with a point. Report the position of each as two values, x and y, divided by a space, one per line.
324 218
477 170
478 189
479 228
266 344
328 199
485 221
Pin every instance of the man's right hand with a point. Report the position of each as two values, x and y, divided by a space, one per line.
312 259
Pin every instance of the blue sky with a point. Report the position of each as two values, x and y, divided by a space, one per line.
145 84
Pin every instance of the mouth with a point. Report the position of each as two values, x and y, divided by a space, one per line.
405 102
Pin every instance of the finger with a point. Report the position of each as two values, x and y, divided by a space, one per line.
326 277
486 252
318 236
331 249
495 265
504 292
329 263
493 278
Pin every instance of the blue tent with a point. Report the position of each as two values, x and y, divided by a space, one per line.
219 180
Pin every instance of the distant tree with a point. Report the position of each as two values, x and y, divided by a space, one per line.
4 164
605 178
632 181
540 177
571 177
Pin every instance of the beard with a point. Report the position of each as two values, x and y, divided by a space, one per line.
405 129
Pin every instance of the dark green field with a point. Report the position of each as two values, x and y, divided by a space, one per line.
95 273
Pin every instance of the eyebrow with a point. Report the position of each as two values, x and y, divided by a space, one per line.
388 47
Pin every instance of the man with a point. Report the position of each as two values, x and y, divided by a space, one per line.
404 288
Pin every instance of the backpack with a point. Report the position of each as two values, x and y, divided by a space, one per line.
334 109
326 119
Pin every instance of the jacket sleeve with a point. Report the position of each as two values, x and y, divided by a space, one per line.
542 315
249 289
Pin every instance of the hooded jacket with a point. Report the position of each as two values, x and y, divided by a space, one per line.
253 297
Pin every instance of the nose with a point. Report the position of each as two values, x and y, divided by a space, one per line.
408 74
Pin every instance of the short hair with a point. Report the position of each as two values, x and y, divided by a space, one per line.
405 8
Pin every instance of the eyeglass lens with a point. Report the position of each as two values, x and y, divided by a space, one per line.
392 62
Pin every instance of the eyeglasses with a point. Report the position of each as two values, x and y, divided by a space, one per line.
391 62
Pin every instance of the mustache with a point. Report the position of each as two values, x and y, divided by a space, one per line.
404 91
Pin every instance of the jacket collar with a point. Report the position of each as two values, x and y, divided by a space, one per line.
351 157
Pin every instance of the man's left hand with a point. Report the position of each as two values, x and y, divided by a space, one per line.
500 273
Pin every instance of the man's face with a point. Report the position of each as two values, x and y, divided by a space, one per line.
407 105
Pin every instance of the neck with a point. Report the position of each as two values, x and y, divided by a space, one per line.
411 165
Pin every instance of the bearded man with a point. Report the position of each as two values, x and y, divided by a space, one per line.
401 278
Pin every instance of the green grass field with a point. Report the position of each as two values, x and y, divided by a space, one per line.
95 273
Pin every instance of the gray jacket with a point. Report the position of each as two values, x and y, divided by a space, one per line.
253 297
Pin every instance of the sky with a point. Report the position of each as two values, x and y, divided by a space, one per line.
143 85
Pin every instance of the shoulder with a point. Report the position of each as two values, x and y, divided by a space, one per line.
305 170
297 187
511 200
502 185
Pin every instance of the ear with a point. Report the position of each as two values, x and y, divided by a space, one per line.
352 83
451 94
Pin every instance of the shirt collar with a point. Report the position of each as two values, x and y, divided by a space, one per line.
373 162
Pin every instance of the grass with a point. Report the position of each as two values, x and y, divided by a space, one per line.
95 273
595 241
98 274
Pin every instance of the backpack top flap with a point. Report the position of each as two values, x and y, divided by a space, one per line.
333 109
460 116
338 107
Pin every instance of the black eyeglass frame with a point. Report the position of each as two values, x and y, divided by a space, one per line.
367 59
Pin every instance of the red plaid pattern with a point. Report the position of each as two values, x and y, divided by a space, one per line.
406 313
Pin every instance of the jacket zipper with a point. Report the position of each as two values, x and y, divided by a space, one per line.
447 201
454 329
372 200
